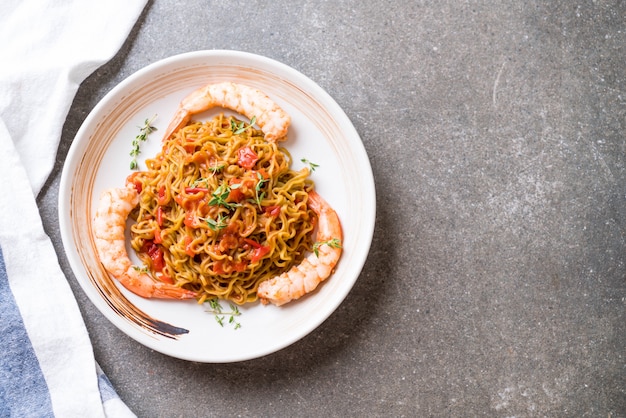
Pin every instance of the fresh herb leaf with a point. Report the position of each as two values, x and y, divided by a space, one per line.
215 224
220 195
312 165
217 168
333 243
215 305
234 311
144 131
199 182
259 196
141 269
238 128
217 310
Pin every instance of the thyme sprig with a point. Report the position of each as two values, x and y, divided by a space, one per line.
220 195
216 168
144 131
258 194
220 315
198 182
333 243
312 165
216 224
141 269
238 128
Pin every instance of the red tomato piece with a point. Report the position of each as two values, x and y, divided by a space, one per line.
235 195
247 157
157 236
252 242
166 279
132 180
161 198
188 248
193 190
190 219
240 266
218 267
258 250
272 211
259 253
160 215
155 253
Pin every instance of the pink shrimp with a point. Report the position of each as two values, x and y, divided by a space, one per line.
109 224
248 101
316 267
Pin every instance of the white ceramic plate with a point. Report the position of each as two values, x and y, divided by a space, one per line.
99 159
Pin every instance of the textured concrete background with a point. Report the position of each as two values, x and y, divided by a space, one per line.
496 281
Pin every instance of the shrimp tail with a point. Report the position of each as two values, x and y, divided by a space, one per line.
180 119
166 291
109 224
143 285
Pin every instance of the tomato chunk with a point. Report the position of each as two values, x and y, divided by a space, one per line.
190 219
247 157
236 194
192 190
251 242
132 180
155 252
157 236
188 247
160 215
166 279
258 251
272 211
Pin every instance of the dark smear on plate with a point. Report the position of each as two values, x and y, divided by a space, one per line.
124 308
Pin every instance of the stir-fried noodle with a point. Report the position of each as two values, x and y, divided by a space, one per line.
221 210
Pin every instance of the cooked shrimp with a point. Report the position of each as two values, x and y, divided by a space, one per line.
109 224
248 101
315 268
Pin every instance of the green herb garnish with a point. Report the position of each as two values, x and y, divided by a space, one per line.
238 128
144 131
333 243
217 168
313 166
199 181
220 195
220 315
257 190
215 224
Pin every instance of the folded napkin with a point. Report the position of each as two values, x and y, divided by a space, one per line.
47 48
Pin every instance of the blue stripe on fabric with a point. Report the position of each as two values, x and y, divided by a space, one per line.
106 388
23 389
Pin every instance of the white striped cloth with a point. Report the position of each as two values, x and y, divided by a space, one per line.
47 48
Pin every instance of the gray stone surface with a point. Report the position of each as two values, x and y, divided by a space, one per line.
496 281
